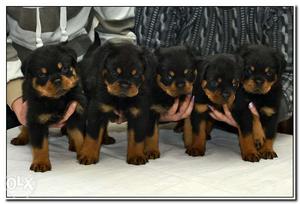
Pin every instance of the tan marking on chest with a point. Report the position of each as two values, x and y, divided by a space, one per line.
159 108
106 108
200 108
43 118
134 111
268 111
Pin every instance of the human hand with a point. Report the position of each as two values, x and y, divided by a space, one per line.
177 111
20 109
121 118
227 117
71 109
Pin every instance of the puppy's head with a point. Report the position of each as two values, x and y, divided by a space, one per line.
176 70
51 70
124 68
263 67
220 76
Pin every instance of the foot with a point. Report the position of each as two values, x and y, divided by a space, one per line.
88 157
194 151
19 141
41 166
152 154
137 160
268 154
251 156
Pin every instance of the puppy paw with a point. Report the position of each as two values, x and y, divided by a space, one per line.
268 154
137 160
251 157
19 141
87 159
40 166
193 151
108 140
153 154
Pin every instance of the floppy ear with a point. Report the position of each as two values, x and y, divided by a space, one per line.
202 68
281 62
150 63
243 50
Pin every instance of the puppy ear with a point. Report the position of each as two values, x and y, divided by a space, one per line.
202 68
243 50
281 62
150 63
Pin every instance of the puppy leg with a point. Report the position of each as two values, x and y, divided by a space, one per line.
270 126
187 132
108 140
248 150
75 130
258 132
22 138
199 140
135 150
39 139
151 144
137 132
96 124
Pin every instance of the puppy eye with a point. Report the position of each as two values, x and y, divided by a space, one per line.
64 70
213 84
42 75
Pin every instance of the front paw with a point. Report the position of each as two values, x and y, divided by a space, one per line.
87 158
19 141
40 166
251 156
194 151
137 160
268 154
152 154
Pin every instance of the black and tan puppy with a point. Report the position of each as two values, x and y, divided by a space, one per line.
261 84
51 83
176 72
117 77
215 86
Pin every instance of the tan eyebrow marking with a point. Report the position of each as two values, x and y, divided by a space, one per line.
186 71
252 68
43 70
171 73
133 72
219 80
267 69
59 65
119 70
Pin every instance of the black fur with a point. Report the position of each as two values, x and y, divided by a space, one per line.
47 58
223 67
260 57
100 69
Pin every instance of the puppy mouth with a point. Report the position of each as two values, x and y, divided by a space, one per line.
116 89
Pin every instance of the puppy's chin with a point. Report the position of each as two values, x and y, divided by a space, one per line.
115 90
172 89
251 87
217 98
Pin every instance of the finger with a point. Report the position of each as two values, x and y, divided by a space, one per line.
226 110
71 109
118 113
213 115
219 115
183 107
58 125
252 108
174 107
189 110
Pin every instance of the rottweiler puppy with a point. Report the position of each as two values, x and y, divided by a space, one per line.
50 83
215 86
176 70
261 84
117 77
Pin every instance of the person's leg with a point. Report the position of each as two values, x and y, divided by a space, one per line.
11 118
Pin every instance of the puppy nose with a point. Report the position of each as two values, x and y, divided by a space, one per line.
259 81
57 82
180 84
124 85
225 94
